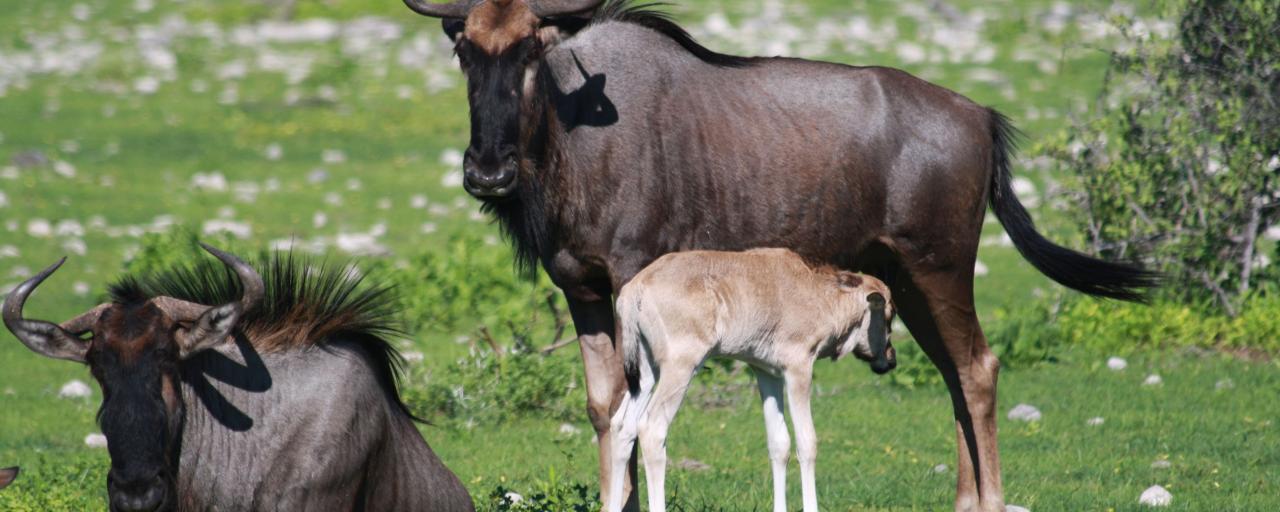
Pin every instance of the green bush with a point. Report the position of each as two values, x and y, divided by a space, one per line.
486 388
1180 167
1121 328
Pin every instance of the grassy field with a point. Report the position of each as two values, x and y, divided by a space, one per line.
340 133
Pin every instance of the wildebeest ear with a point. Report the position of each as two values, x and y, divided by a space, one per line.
849 281
210 330
7 475
453 27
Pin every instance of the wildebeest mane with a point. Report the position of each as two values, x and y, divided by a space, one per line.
306 303
647 15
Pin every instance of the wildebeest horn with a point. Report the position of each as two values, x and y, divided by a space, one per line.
250 281
547 8
877 335
457 9
212 325
43 337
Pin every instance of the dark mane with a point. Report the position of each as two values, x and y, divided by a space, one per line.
646 15
307 303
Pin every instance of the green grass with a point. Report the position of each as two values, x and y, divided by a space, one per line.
135 156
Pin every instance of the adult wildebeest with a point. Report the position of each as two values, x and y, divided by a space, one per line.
766 307
7 475
282 396
603 136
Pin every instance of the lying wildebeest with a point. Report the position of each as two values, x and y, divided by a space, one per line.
7 476
603 137
766 307
281 396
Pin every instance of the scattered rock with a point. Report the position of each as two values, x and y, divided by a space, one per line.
1161 464
569 429
1095 421
1224 384
1156 496
1117 363
1015 508
1024 412
692 465
1153 380
95 441
514 498
75 389
940 469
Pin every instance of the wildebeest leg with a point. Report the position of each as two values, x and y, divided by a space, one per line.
606 383
779 440
798 387
673 382
938 309
625 425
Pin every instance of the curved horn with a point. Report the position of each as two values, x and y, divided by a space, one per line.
548 8
213 325
250 282
41 337
877 335
458 9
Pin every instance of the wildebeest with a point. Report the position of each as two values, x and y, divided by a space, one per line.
766 307
280 396
7 476
603 136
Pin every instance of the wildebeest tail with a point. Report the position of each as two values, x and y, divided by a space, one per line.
628 311
1069 268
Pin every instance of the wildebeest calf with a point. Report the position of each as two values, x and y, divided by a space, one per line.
766 307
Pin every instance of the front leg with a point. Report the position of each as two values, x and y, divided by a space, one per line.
606 385
778 439
798 388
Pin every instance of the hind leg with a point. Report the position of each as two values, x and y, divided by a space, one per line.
668 393
938 309
778 439
625 426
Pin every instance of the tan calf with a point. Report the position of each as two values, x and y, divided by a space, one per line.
765 307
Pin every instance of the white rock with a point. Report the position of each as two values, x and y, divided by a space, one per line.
940 468
75 389
4 200
239 230
1153 380
273 152
513 498
1095 421
414 356
451 158
333 156
1117 363
1224 384
1155 496
1015 508
64 169
95 441
569 429
1161 464
39 228
980 268
80 288
1024 412
213 181
452 179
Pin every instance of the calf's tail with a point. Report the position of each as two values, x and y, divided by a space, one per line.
1069 268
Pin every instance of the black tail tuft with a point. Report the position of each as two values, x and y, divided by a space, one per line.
1069 268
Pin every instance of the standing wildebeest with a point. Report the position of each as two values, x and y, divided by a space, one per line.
283 397
603 137
765 307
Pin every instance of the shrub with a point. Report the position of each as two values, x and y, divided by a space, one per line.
486 388
1181 166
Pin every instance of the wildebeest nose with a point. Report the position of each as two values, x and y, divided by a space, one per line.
139 498
495 181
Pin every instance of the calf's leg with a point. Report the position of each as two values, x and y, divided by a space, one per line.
779 440
673 381
798 388
625 424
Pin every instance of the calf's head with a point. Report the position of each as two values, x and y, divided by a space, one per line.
500 45
869 340
134 351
